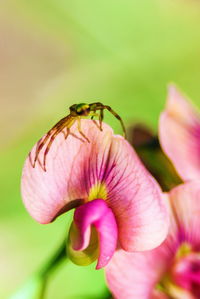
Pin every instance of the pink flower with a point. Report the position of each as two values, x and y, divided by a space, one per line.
115 198
173 269
179 134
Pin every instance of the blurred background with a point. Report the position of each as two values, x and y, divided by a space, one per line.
54 53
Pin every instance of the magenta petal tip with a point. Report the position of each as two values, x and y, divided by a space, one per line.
97 214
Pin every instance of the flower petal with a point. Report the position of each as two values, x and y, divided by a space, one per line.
185 202
45 194
89 254
134 275
179 134
95 213
106 168
111 167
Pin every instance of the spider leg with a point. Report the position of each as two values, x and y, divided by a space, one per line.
101 107
30 159
66 122
61 124
49 145
79 129
40 163
95 123
100 116
66 134
92 117
117 116
96 105
93 114
101 119
75 136
40 145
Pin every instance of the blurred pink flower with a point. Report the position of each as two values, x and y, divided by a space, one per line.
173 269
179 134
116 199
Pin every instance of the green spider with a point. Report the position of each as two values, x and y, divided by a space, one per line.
77 111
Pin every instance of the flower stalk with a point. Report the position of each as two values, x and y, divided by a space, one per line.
35 287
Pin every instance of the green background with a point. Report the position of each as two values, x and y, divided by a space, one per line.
55 53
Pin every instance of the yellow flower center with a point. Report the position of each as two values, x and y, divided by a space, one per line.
183 250
98 190
167 284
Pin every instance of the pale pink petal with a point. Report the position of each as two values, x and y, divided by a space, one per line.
179 134
96 213
135 275
45 194
106 168
130 191
185 203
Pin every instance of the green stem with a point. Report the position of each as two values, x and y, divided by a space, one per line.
35 287
54 261
51 265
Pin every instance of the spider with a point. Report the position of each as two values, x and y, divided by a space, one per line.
77 111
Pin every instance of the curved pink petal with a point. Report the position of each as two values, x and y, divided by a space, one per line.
95 213
130 191
106 168
135 275
179 134
45 194
185 203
